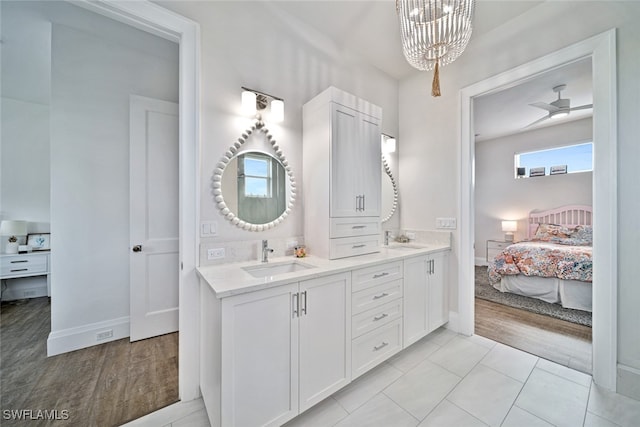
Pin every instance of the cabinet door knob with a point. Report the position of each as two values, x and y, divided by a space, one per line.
137 248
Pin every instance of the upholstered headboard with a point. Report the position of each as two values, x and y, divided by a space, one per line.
570 215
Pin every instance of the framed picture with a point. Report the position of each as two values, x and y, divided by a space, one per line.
537 171
555 170
40 241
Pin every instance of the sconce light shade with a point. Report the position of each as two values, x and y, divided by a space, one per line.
277 110
388 144
509 227
248 102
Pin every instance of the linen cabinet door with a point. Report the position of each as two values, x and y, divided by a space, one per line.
415 299
325 337
260 357
345 162
371 165
438 298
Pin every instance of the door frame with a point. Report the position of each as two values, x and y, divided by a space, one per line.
164 23
602 51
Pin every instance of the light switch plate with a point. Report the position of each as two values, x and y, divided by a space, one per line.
446 223
208 228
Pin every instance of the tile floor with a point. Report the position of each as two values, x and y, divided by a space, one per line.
452 380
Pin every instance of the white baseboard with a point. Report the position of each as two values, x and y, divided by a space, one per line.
86 336
628 381
454 322
481 261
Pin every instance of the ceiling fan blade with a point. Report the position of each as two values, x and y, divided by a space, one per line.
582 107
550 108
536 122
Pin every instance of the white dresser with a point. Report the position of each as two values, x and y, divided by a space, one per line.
15 266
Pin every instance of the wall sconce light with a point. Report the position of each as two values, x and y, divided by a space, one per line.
388 144
509 227
253 102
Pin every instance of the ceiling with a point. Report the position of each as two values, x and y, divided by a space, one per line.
370 30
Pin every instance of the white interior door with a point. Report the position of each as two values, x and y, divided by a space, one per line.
154 254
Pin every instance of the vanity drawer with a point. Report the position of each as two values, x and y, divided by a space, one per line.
375 318
371 276
376 296
349 227
351 246
371 349
24 265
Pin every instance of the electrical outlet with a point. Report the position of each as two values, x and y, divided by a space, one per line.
291 244
446 223
216 253
104 335
410 236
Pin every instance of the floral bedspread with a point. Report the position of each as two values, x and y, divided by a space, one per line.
545 260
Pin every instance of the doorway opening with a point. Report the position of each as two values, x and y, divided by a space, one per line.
601 50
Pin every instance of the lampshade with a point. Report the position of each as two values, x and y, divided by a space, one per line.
388 144
277 110
434 32
248 102
13 228
510 226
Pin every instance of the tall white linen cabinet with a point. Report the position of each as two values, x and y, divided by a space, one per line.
341 175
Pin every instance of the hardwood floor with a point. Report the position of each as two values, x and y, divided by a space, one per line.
565 343
103 385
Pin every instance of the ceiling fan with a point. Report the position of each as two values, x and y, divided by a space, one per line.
561 107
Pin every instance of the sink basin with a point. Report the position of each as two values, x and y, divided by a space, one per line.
276 268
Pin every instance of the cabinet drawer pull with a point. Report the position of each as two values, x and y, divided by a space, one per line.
295 303
382 295
356 227
377 276
382 316
19 261
358 246
19 269
381 346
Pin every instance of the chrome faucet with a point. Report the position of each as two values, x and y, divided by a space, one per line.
387 233
265 251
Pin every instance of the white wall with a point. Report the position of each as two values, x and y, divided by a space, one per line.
249 44
431 143
94 70
498 195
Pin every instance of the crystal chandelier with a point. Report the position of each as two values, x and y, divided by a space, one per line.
434 33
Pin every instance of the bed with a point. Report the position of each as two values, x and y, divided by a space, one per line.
554 264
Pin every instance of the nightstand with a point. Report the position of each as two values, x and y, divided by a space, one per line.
14 266
494 247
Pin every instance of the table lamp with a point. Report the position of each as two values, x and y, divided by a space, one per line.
509 227
13 229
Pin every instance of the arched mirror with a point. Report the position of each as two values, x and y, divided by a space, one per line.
389 192
254 189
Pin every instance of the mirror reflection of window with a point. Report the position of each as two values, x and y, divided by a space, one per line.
261 188
256 171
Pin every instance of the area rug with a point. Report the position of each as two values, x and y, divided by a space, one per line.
487 292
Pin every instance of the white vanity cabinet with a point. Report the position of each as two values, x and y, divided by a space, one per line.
342 174
281 350
425 295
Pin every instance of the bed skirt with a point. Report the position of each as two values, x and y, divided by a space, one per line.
569 293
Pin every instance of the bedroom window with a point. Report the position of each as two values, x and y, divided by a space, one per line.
567 159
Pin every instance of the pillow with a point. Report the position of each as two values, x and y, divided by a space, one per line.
580 235
548 232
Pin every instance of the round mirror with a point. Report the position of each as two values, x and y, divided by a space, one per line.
253 189
389 192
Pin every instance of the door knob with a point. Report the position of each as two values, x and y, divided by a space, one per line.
137 248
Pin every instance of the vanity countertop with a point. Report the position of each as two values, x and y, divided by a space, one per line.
231 279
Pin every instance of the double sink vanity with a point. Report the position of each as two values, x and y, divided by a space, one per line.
279 337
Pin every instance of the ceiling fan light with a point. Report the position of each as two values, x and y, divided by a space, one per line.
558 114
